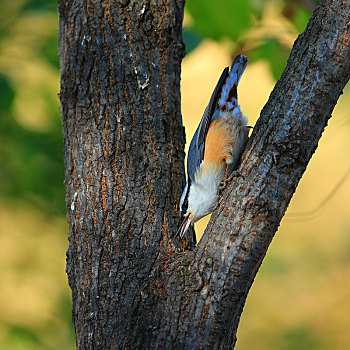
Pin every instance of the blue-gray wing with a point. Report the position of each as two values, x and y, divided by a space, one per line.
211 108
194 157
196 150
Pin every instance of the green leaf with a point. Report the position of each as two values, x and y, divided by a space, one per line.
40 5
32 166
275 53
191 39
48 49
24 336
298 13
301 337
301 17
221 18
7 94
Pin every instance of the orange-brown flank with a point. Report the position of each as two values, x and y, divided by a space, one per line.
218 142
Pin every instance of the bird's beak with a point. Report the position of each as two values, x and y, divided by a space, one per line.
184 227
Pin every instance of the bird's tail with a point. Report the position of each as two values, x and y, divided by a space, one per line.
228 97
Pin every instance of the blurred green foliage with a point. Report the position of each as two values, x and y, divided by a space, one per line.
53 335
276 53
222 18
32 173
31 158
233 19
300 337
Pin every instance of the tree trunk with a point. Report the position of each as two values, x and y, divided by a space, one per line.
123 148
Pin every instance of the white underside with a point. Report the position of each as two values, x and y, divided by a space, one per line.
203 194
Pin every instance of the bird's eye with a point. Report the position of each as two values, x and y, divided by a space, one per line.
184 199
184 206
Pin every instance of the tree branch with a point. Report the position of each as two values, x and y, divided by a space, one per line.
207 289
282 143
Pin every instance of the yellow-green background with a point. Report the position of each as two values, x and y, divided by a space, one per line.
301 296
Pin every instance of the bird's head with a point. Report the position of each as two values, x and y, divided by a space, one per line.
196 202
186 215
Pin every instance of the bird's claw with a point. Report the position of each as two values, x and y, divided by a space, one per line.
224 183
217 204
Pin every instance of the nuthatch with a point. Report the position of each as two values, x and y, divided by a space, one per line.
216 147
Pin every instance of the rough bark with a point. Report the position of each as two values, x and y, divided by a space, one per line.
123 149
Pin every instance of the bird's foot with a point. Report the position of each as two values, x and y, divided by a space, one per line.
217 204
224 182
223 185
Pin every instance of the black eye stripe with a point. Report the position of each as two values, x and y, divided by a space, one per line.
185 202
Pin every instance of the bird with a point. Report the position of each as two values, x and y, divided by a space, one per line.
216 147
